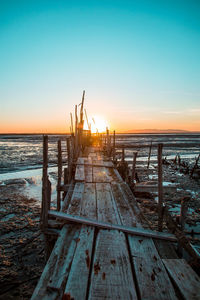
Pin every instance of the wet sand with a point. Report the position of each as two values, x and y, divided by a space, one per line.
21 243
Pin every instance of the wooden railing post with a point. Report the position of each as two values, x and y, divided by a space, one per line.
59 174
149 156
114 145
45 205
123 155
134 167
160 188
69 155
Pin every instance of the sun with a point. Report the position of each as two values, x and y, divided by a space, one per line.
98 124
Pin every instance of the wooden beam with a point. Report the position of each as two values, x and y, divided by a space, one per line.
59 174
45 185
149 156
103 225
160 188
133 166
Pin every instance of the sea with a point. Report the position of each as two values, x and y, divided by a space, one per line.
21 156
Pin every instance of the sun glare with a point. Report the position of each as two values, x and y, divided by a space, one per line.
98 124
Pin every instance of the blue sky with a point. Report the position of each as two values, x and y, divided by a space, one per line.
138 61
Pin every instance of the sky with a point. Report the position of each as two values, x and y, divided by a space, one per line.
138 61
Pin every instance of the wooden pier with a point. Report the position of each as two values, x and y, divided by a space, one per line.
103 248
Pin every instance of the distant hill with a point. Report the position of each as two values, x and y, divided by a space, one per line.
157 131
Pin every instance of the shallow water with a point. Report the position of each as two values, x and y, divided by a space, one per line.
21 156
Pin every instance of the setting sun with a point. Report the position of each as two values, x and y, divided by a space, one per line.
97 123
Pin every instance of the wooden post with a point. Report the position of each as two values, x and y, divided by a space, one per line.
149 155
123 155
59 174
76 130
134 167
108 139
49 194
72 128
160 188
69 159
114 145
45 205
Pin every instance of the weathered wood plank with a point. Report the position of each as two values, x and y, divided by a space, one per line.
111 273
88 173
125 211
78 278
75 203
106 208
186 280
132 202
65 256
152 278
65 241
100 174
80 173
65 203
103 225
89 203
165 249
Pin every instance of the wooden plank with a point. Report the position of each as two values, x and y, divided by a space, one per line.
80 173
186 280
165 249
102 163
100 174
132 202
75 203
64 259
152 279
65 203
125 211
76 286
89 205
106 208
111 271
104 225
65 245
111 276
88 173
80 161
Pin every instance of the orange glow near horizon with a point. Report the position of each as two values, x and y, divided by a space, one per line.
97 123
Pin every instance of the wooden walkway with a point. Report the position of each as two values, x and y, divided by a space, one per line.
88 262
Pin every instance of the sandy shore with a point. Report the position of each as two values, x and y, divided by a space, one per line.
21 243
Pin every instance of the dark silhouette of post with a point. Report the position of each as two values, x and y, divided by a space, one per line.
160 188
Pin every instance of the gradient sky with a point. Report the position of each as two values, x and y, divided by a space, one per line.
139 62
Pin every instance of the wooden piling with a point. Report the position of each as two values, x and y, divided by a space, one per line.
59 174
133 167
45 186
69 155
149 156
123 154
114 145
160 188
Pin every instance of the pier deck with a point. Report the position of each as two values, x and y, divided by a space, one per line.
88 262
